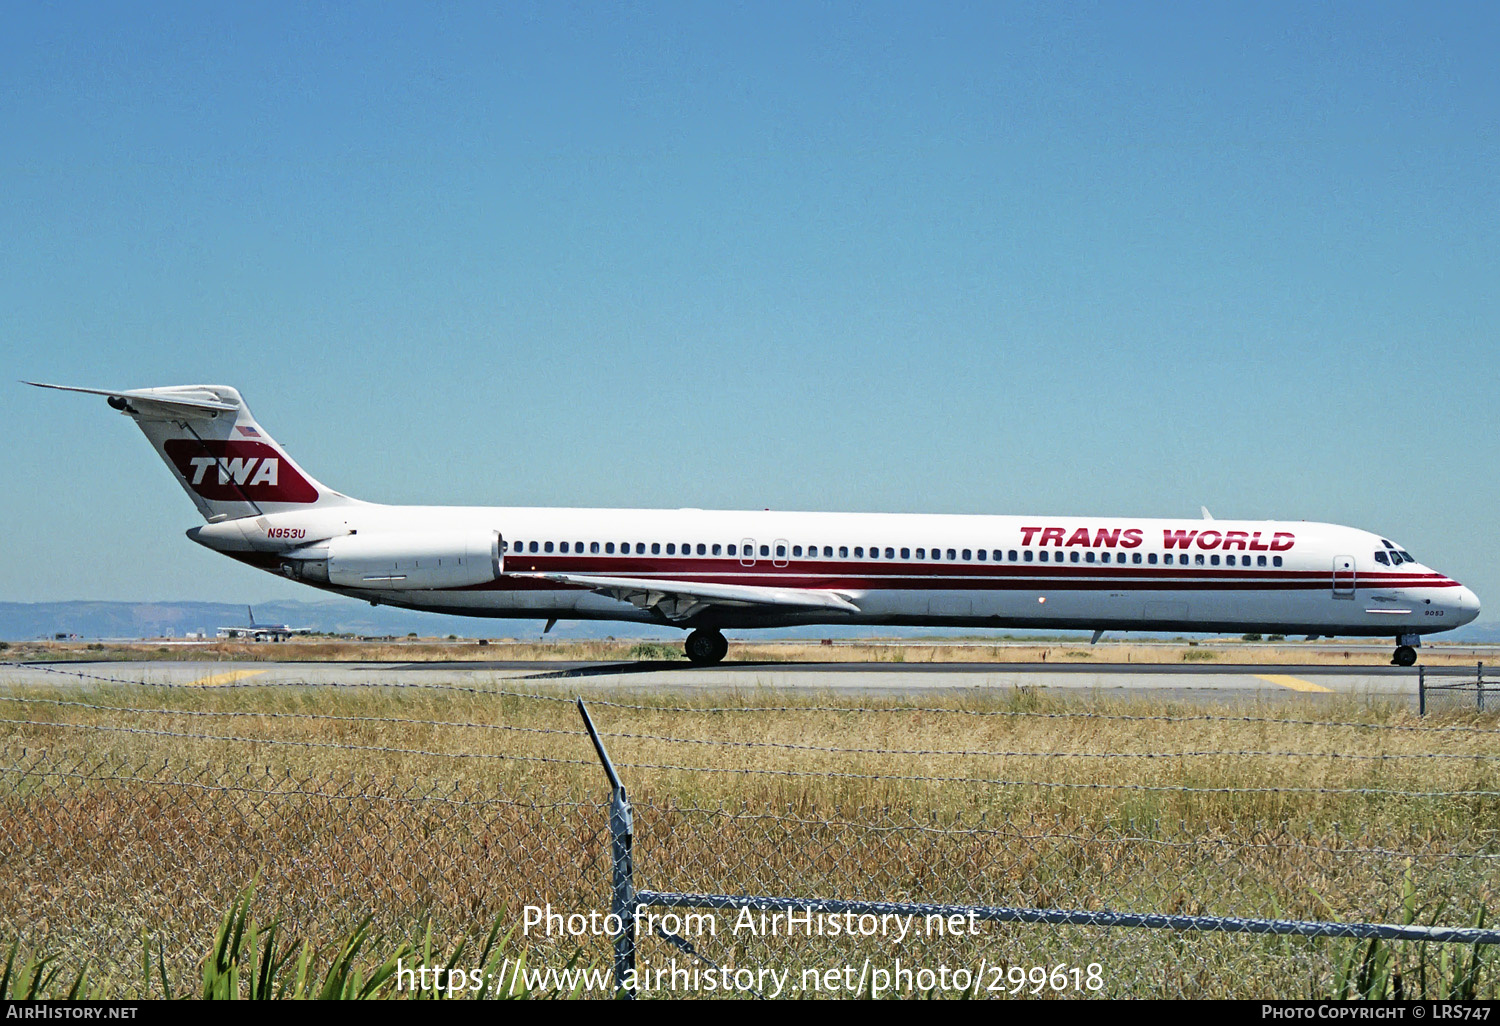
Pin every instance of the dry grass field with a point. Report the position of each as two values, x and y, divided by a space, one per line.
134 811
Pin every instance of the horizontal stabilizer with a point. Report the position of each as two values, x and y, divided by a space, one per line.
188 402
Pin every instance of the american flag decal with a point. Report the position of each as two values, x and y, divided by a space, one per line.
248 432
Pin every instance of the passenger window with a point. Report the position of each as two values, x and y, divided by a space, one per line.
796 550
982 555
1073 556
921 553
906 553
1229 560
1214 559
1260 560
656 548
671 549
843 552
1028 555
593 548
1104 557
1044 555
765 550
952 555
1199 559
1135 557
547 547
702 549
640 548
533 546
609 548
1151 558
719 549
859 552
890 553
968 554
781 551
937 553
1090 557
578 547
1275 560
1012 555
730 549
999 555
827 551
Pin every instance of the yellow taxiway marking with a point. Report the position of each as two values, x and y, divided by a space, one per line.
1295 683
224 678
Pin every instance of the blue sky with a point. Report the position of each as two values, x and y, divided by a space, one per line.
1093 259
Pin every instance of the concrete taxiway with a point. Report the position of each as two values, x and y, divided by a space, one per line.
891 680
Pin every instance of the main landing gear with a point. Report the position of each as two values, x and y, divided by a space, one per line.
1406 650
705 647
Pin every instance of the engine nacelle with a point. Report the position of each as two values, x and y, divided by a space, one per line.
401 561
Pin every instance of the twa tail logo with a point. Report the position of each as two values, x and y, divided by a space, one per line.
238 470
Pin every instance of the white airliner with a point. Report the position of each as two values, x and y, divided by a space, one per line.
262 631
707 570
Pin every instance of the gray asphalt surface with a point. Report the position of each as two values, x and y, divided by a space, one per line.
886 679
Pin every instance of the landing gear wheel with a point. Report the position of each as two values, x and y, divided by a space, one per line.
706 647
1405 656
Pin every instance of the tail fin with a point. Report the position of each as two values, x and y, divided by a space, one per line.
229 466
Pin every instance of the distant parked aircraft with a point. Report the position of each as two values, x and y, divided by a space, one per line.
262 631
707 570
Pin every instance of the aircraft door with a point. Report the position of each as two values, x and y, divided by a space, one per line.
779 552
747 552
1343 577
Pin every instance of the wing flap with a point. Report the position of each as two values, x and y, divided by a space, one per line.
678 600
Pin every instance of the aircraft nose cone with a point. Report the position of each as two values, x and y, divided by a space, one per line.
1468 605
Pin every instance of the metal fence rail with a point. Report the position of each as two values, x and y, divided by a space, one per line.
1451 695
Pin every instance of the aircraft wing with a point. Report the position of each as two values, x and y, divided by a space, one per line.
678 600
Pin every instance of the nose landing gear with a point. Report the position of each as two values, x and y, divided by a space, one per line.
1406 650
706 647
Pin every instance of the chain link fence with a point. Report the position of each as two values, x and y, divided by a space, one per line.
977 844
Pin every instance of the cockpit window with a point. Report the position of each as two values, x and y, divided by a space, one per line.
1381 558
1407 556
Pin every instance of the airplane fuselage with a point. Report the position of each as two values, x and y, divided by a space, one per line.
900 569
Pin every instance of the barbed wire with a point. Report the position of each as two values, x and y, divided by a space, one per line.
718 742
1009 830
1423 728
979 753
300 790
1090 785
290 716
298 744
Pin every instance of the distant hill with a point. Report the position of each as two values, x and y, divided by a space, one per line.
28 621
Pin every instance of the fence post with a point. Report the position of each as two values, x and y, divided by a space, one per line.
622 880
1421 691
1479 686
